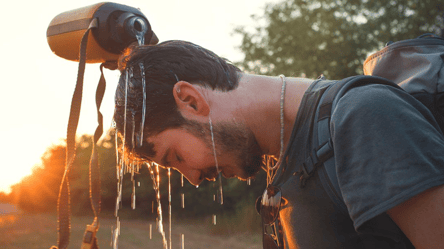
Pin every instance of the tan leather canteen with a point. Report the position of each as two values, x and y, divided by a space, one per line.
113 28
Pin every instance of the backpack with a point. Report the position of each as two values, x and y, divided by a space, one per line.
415 65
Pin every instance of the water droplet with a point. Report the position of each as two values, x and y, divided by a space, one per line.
118 225
115 238
249 181
220 193
181 180
183 241
111 243
214 219
151 231
133 196
183 200
133 201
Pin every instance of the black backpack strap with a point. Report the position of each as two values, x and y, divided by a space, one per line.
323 151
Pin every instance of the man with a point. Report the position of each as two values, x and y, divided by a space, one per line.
204 116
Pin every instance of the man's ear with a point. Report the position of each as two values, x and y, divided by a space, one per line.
190 100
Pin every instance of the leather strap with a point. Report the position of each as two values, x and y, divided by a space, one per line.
63 203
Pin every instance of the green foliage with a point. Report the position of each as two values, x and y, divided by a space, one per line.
313 37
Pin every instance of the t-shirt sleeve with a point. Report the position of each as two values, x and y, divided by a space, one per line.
388 148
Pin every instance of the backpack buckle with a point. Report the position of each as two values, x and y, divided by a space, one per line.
308 168
317 158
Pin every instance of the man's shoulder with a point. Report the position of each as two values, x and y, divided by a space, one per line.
373 94
376 99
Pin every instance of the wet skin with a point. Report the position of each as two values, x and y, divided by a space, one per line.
191 156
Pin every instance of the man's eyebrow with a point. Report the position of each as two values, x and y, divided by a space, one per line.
164 160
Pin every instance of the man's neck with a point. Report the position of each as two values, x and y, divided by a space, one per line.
258 105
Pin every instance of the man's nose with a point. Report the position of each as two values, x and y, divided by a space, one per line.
194 177
196 180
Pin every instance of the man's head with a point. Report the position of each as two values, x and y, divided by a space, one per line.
168 68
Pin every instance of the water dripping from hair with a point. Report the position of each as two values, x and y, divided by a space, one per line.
120 166
156 181
140 38
133 194
142 122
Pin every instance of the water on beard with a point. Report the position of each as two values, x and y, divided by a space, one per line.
220 192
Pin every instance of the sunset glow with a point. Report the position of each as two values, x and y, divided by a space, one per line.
38 85
22 156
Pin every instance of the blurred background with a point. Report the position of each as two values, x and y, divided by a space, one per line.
297 38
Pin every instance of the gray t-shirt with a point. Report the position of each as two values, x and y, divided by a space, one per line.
388 148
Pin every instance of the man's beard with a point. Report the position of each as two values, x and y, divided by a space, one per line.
232 140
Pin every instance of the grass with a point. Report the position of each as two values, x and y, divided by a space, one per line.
22 230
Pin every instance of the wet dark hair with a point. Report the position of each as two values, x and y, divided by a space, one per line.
163 65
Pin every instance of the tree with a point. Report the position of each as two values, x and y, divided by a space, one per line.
313 37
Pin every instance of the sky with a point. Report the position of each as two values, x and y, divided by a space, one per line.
37 85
